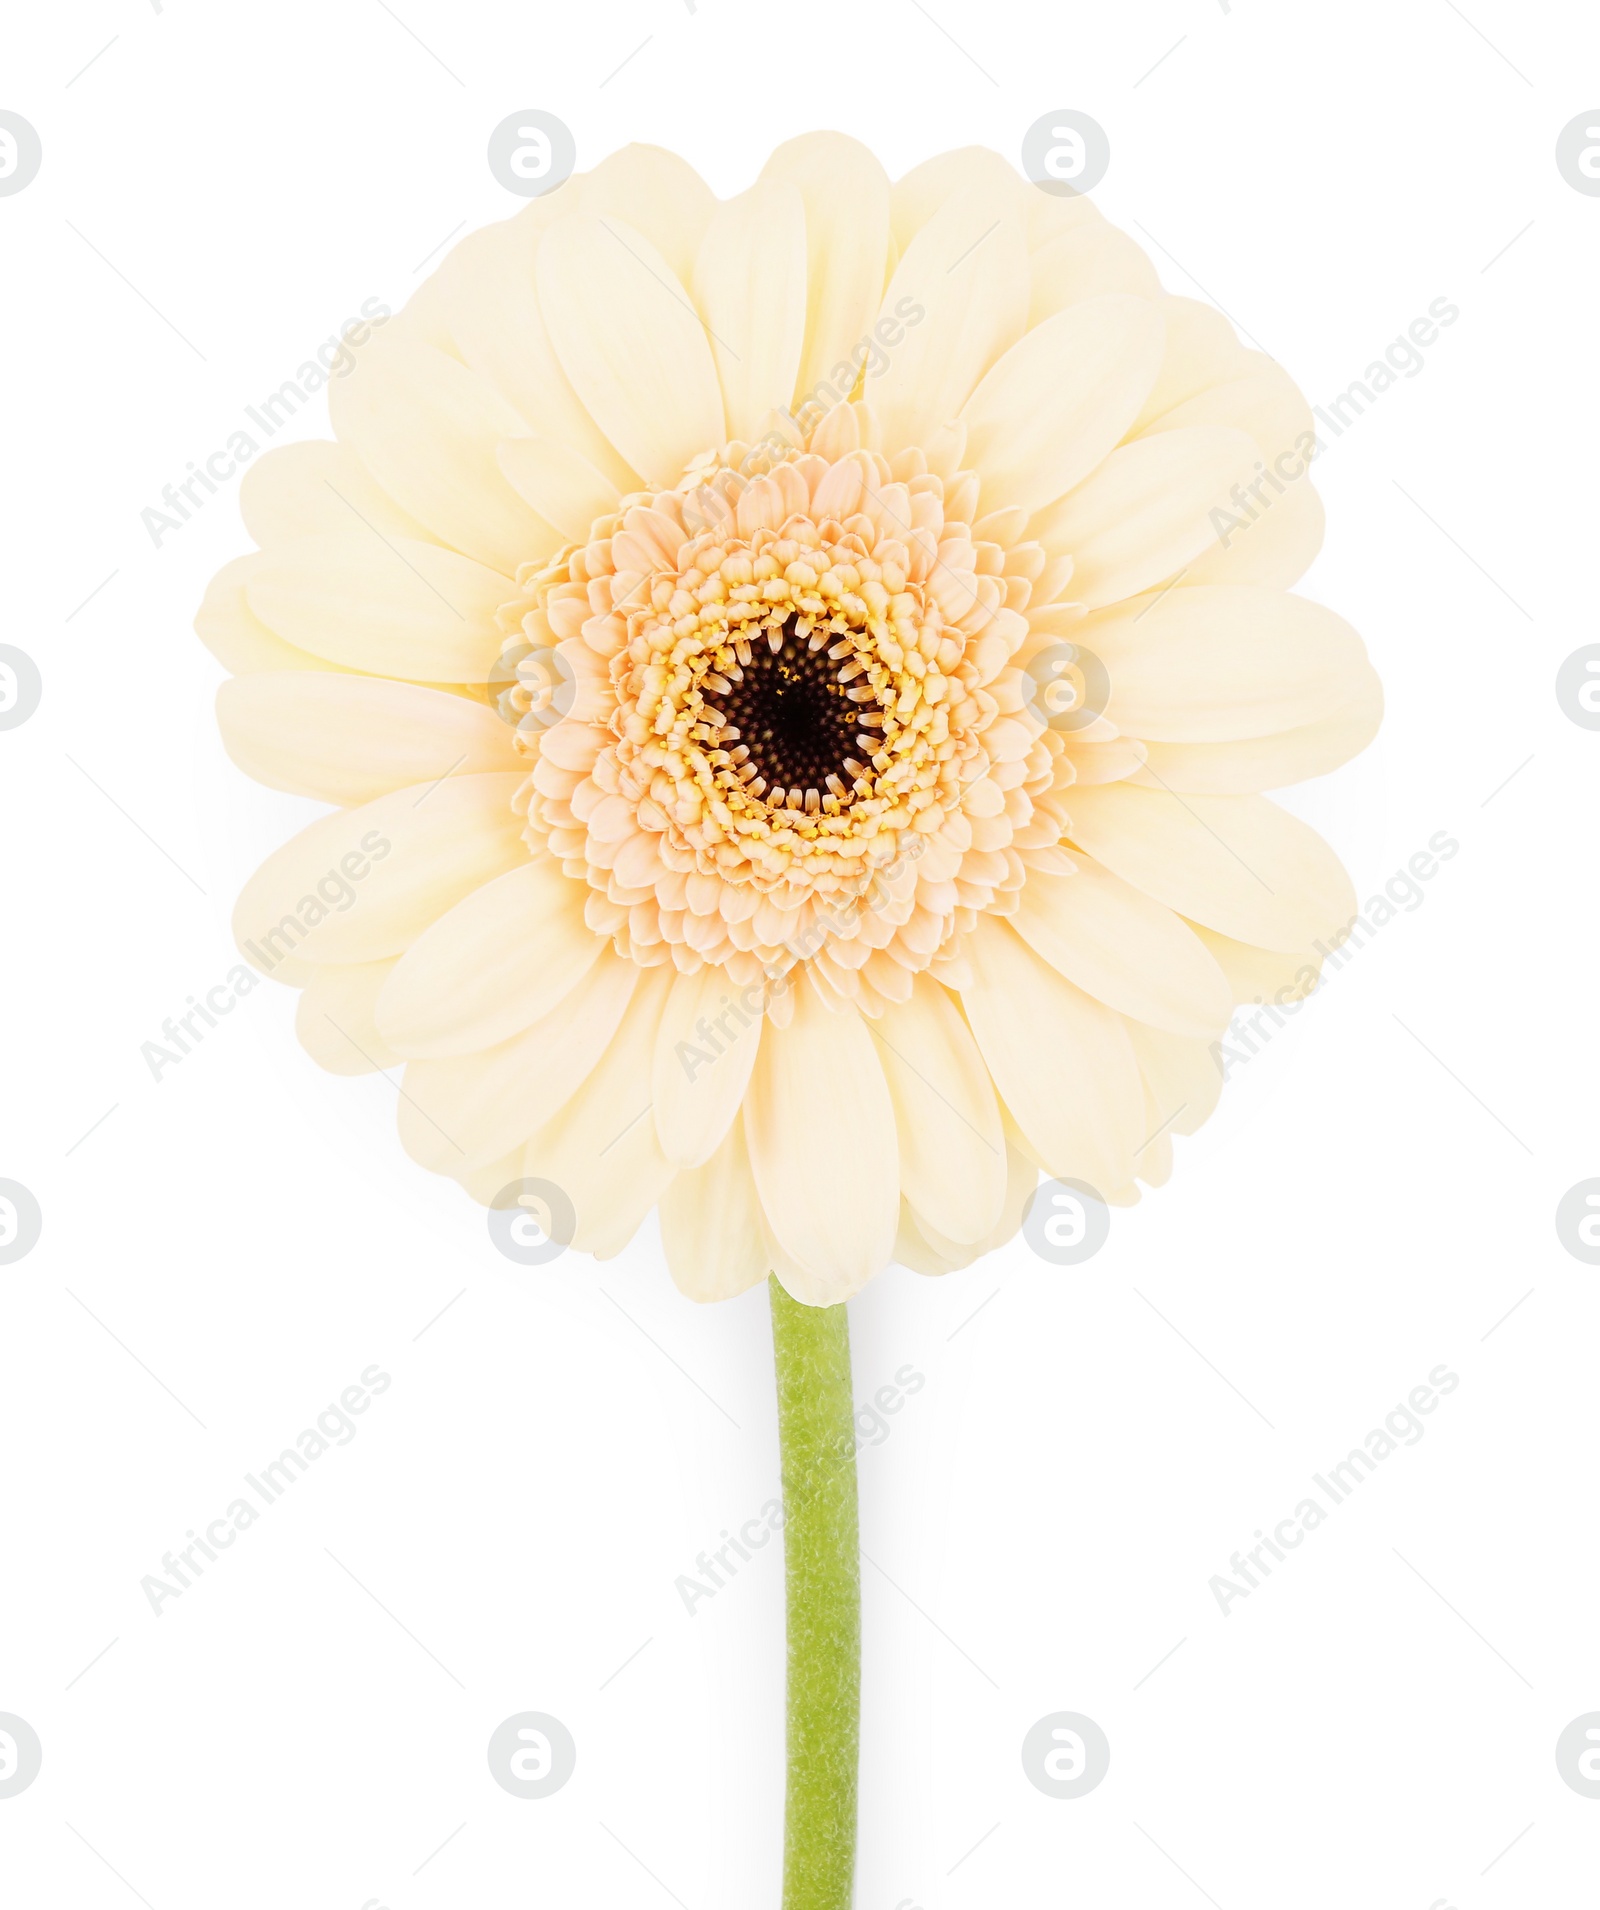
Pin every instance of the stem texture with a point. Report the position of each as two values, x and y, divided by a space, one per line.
816 1434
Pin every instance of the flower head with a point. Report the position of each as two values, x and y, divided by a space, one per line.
797 676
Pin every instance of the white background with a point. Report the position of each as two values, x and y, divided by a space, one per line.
228 1248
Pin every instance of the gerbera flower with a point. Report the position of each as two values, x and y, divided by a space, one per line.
797 676
797 679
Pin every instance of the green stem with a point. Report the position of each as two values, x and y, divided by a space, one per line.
816 1437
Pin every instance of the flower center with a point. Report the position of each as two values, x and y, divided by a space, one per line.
792 710
779 692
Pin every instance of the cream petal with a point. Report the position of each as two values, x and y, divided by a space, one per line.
370 880
486 1184
1264 401
1211 664
1275 550
1181 1076
925 190
1153 1162
1103 762
499 329
334 1018
536 214
310 489
711 1225
630 340
1119 945
1022 1182
560 484
912 1248
287 970
846 195
966 270
705 1051
951 1254
501 958
1088 262
424 319
236 636
426 427
1237 863
1150 510
1257 974
1050 214
1060 1059
1061 399
1202 351
656 193
947 1121
1258 763
750 287
601 1149
347 739
820 1127
390 607
798 1282
469 1111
